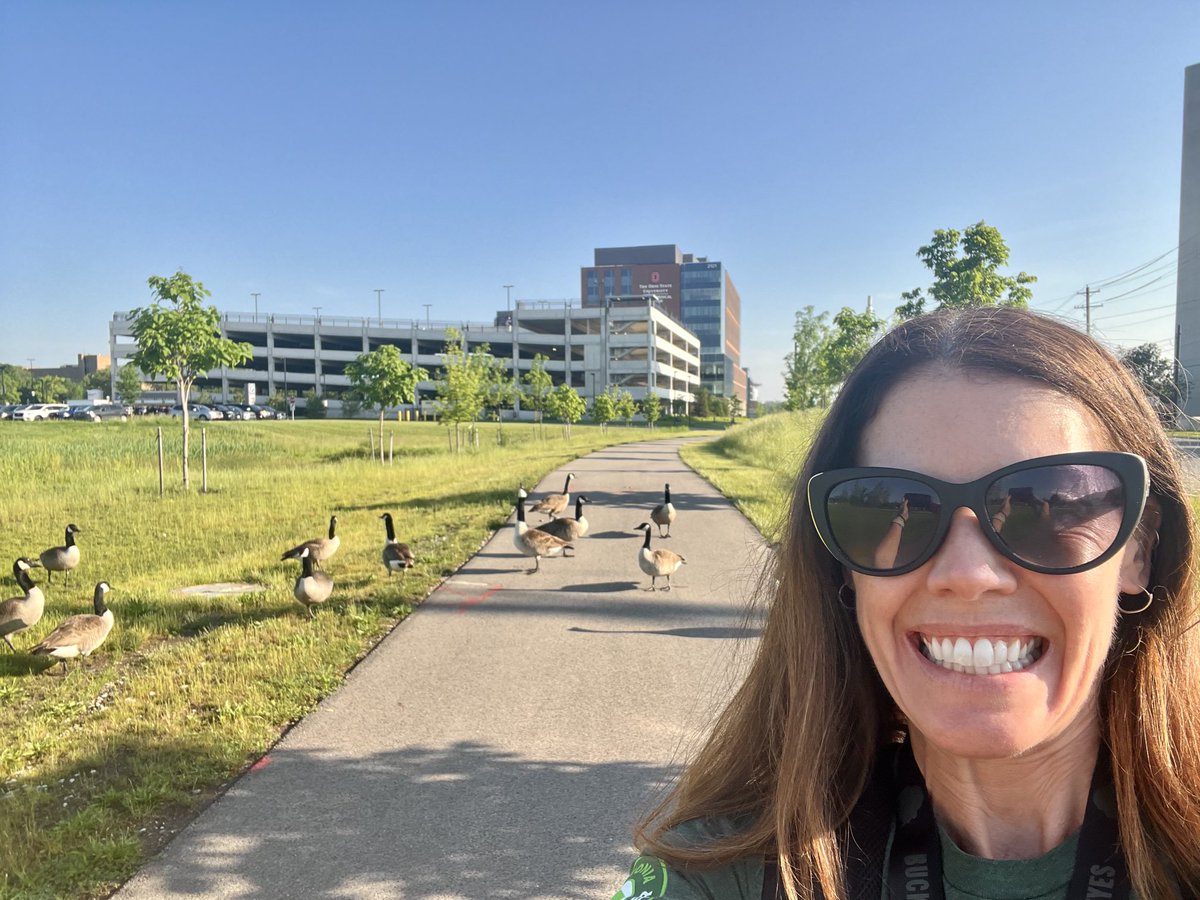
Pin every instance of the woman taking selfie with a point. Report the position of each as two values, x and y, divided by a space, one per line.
979 676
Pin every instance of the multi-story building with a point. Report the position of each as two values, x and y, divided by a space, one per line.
633 345
1187 284
693 289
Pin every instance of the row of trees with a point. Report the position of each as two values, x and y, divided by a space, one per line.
17 385
965 271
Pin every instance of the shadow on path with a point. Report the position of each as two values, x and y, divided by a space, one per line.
399 824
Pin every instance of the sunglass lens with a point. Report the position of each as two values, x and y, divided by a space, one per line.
865 514
1058 516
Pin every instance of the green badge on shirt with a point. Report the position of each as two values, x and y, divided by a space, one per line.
647 880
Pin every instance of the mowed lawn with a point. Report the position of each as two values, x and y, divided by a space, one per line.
98 768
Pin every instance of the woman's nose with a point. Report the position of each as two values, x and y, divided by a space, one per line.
967 565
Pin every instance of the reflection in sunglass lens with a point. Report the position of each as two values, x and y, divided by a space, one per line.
1057 516
861 515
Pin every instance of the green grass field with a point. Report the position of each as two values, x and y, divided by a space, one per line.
97 768
756 464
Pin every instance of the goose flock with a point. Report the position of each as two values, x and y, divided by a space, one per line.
556 536
80 635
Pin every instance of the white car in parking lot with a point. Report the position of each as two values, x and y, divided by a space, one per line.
36 411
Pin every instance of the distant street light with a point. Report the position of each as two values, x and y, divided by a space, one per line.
427 305
255 295
317 309
508 296
379 302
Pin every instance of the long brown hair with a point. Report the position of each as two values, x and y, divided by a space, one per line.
790 756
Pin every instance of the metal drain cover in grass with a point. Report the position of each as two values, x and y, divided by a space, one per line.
220 589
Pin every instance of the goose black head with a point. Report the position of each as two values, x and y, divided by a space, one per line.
102 588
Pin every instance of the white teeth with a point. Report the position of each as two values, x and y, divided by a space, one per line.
984 656
983 653
963 655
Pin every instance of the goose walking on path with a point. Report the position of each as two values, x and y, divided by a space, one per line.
79 635
664 513
552 505
62 559
312 588
397 557
567 528
20 613
531 542
320 549
657 563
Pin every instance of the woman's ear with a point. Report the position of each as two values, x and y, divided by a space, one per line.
1138 555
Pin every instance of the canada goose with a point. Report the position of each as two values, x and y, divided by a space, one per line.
62 559
532 542
553 504
664 513
79 635
567 528
20 613
657 562
397 557
320 548
311 587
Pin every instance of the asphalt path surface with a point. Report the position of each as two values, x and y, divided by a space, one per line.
502 740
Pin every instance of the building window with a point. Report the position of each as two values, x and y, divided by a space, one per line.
591 285
626 282
608 283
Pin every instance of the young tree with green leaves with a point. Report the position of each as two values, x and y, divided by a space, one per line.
735 406
383 378
538 385
461 387
14 383
603 411
852 336
499 392
651 408
567 406
179 338
1157 376
624 405
805 380
971 279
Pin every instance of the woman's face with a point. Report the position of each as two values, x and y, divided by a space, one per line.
959 428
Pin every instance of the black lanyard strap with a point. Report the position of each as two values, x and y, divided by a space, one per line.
914 865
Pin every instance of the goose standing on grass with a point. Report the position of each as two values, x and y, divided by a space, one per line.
552 505
567 528
657 563
537 544
320 549
664 513
397 557
19 613
79 635
312 587
62 559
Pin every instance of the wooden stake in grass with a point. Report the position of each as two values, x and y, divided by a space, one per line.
391 446
160 462
204 460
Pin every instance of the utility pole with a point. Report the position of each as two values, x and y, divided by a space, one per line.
256 295
508 296
1087 305
379 302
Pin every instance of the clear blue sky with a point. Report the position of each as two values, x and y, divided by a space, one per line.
438 150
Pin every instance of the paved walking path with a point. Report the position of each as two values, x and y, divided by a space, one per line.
501 742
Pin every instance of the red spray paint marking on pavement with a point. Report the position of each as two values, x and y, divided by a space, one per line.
261 764
475 601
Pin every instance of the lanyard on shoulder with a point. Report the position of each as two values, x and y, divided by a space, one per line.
914 865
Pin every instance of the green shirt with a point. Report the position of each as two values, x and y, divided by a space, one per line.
966 877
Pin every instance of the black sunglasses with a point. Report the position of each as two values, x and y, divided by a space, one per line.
1056 514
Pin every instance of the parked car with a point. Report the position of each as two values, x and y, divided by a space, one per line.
197 411
98 412
230 411
266 412
35 411
8 409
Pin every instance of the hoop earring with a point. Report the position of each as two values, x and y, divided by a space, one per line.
846 597
1151 596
